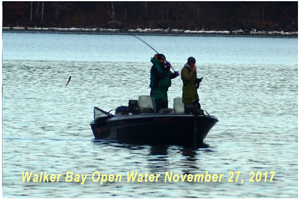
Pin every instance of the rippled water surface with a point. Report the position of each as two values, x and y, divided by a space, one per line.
250 84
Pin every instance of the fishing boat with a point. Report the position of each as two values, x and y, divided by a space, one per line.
139 123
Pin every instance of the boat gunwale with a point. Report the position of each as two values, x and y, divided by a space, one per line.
155 115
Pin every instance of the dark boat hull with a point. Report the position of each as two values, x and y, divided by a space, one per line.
155 129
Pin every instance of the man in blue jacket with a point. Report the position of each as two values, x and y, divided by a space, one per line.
160 80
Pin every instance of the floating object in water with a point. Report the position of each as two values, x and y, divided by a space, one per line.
68 81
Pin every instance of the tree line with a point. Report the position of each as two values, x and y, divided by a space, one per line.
193 15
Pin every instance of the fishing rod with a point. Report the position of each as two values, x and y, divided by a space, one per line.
145 43
148 45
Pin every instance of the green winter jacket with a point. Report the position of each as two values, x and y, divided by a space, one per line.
160 75
160 79
189 89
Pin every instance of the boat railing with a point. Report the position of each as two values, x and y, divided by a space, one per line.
207 113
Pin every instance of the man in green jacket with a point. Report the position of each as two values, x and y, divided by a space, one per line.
160 80
190 84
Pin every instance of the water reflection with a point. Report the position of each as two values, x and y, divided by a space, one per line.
156 159
162 159
159 150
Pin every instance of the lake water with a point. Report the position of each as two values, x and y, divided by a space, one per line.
249 83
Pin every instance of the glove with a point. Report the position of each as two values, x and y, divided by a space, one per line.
168 65
176 74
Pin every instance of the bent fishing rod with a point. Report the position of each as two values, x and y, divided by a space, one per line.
148 45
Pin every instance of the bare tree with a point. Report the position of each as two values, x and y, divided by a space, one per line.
145 9
111 12
37 9
31 11
125 15
263 11
58 7
42 17
56 10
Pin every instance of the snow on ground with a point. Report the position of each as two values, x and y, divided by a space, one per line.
148 30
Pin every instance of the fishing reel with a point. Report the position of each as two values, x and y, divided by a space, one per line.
198 81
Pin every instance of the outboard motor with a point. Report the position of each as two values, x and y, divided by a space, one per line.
122 110
132 108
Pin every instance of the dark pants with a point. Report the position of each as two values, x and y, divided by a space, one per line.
160 104
159 95
197 107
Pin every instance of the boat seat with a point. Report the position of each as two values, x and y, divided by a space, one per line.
178 106
146 102
147 110
165 110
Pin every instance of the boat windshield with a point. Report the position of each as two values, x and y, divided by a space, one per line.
101 113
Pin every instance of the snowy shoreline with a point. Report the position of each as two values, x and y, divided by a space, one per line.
149 31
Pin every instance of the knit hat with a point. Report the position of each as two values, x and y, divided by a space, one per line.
161 56
191 60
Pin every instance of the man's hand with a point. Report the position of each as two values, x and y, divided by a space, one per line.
168 64
194 68
176 73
